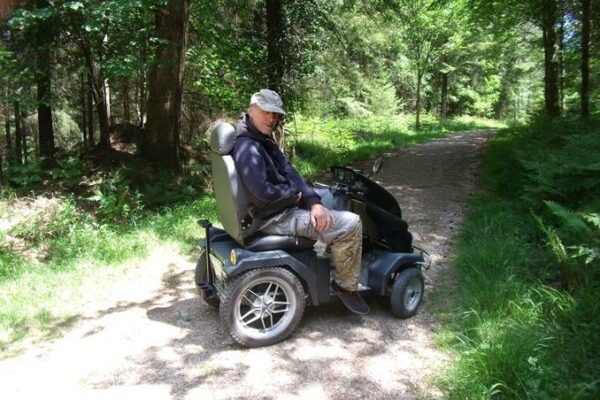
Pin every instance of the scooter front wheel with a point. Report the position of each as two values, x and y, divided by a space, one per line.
262 306
407 292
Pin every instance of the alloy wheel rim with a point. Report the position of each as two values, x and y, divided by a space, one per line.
265 307
412 295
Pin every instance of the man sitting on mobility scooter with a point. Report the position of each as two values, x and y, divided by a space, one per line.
267 176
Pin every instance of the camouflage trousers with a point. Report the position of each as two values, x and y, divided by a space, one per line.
344 237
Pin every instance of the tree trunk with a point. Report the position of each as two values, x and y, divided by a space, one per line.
106 93
444 97
1 172
585 57
275 58
107 100
83 110
103 117
161 142
418 102
141 91
44 93
142 102
24 143
275 36
44 111
99 93
9 149
561 63
90 110
126 103
551 67
18 135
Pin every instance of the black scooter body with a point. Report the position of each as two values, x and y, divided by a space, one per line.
314 271
230 275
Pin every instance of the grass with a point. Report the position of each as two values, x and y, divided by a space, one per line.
518 328
99 237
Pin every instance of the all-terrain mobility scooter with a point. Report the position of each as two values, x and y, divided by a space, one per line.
262 283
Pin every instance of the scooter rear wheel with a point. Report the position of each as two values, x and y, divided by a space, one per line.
407 292
262 306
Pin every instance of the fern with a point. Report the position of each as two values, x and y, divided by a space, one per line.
593 219
554 242
570 218
567 171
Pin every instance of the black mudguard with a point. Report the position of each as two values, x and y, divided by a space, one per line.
382 264
248 260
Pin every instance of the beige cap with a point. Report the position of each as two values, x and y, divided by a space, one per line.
268 100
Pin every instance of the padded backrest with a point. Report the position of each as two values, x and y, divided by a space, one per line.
232 205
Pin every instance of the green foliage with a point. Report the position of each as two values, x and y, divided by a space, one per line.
574 242
24 175
115 200
568 171
527 282
66 131
226 62
68 170
11 265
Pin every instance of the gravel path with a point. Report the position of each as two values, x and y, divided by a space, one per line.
151 337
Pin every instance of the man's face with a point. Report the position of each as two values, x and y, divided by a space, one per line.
264 121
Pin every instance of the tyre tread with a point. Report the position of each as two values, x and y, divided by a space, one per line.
227 298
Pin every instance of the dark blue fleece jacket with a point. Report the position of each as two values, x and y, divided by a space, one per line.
265 171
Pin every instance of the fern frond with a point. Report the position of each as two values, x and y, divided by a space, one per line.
593 219
569 217
553 241
589 254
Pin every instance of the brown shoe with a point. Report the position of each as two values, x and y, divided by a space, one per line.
351 299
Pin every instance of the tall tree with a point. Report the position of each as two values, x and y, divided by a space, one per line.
18 134
98 89
550 19
90 110
424 40
8 135
1 172
275 40
6 8
44 36
161 142
585 57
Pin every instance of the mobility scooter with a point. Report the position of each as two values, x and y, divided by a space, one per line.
262 283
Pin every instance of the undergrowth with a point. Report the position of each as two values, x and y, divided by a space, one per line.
526 316
104 216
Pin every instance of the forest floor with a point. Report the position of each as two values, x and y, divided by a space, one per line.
150 336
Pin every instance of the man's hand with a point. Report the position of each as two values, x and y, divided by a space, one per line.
320 217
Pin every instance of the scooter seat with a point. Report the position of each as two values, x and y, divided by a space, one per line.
260 242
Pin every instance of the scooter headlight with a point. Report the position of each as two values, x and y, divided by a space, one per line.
233 257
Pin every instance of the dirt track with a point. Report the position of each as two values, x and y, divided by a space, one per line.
153 338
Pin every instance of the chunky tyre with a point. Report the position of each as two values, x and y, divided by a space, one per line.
201 277
262 306
407 292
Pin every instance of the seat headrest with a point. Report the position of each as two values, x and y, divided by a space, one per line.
222 138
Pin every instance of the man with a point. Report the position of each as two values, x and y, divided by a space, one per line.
268 176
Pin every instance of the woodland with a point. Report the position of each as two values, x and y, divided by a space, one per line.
105 107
